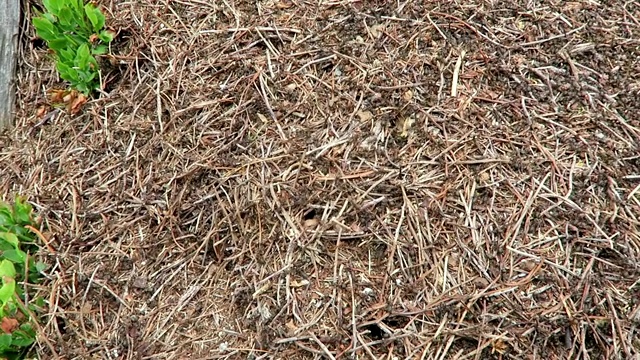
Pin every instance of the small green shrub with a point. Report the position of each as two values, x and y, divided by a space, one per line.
75 34
17 268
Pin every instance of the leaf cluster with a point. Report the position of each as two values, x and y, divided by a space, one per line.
17 268
75 33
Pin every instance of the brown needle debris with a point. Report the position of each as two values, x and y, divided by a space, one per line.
302 180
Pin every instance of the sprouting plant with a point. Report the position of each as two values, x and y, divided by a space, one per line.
75 34
17 268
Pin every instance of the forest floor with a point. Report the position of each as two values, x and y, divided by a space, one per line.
339 180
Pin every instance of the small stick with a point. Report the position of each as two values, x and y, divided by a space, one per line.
354 326
553 37
323 347
398 86
330 57
257 28
44 239
456 74
344 177
574 70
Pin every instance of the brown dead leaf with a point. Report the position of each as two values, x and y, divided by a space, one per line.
453 260
377 30
41 112
499 346
310 223
9 325
76 104
480 283
527 265
404 125
408 95
68 97
86 308
262 118
57 96
291 326
470 74
573 6
284 4
364 115
140 282
263 289
291 87
301 283
484 176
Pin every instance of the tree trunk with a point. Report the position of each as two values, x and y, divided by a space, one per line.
9 25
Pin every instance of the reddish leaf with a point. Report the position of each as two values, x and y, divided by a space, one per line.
9 325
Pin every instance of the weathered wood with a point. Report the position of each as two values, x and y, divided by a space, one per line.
9 26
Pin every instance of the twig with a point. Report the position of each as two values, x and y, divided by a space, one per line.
542 41
255 28
456 74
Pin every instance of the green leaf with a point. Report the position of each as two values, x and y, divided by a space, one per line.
106 36
82 88
11 309
9 238
67 18
23 211
5 216
82 57
72 5
67 56
53 6
100 50
89 10
28 329
95 16
36 269
85 75
90 76
7 290
5 342
44 29
52 18
74 41
58 45
83 52
5 246
67 72
77 5
21 338
15 256
35 277
40 267
7 270
42 24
